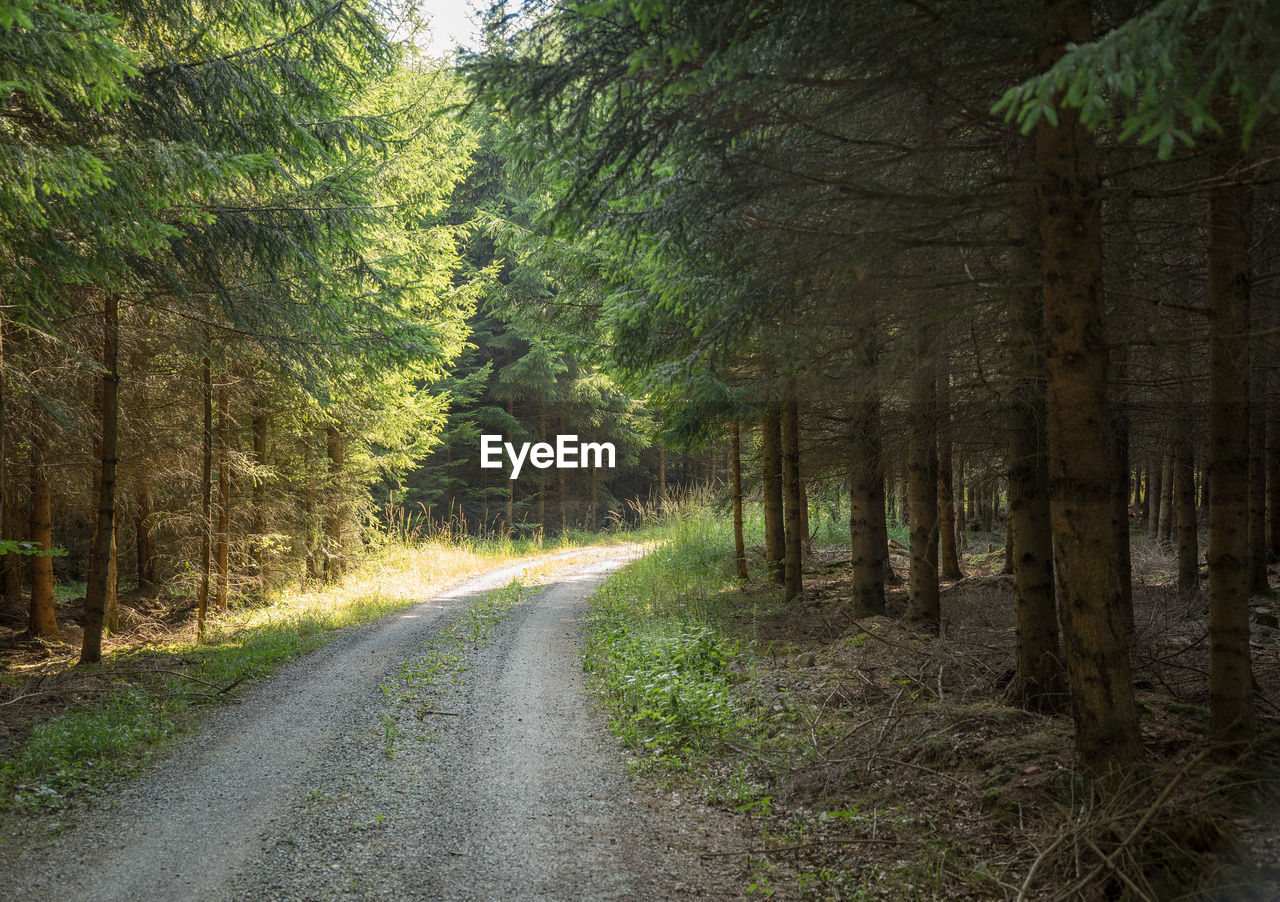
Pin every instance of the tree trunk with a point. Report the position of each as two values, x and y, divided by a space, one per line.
10 575
922 486
41 620
100 553
946 507
1039 682
1165 532
662 473
206 489
867 521
11 564
1273 472
790 427
1232 720
311 568
962 540
1153 501
145 541
335 514
1120 510
805 534
1098 672
1184 489
509 518
735 461
775 553
111 604
1258 584
224 498
262 577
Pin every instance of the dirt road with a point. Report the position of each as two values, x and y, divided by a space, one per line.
314 786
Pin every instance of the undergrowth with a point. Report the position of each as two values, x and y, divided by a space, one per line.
655 643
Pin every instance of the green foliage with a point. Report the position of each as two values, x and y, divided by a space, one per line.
666 671
1160 70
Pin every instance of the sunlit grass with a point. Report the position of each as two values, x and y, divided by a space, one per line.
139 698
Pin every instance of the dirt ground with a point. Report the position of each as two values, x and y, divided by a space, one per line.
895 767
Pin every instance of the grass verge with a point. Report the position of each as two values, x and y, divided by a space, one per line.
93 725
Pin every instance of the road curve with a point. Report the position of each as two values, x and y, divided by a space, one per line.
290 794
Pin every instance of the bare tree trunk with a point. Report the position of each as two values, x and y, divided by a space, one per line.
867 521
206 489
735 460
775 540
922 486
805 534
1103 706
145 542
335 513
1153 500
946 507
1258 584
10 575
11 564
1165 532
1188 538
100 554
1273 472
1120 505
224 498
962 540
41 620
262 577
1039 678
1232 720
312 570
111 604
662 473
791 489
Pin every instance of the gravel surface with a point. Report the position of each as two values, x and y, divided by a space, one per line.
321 784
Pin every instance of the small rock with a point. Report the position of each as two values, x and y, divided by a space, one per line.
808 659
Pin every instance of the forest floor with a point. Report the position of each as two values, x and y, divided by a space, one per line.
448 751
870 762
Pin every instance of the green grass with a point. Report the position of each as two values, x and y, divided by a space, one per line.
656 643
143 697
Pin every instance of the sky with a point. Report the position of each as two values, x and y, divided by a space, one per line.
451 24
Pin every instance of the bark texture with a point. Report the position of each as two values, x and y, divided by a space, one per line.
735 461
922 490
1232 720
41 620
1188 539
771 482
793 496
102 542
1080 483
1039 677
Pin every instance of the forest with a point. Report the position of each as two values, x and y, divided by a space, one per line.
960 319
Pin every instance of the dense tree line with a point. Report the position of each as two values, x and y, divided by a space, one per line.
252 290
1019 248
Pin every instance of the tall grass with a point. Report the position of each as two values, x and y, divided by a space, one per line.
655 638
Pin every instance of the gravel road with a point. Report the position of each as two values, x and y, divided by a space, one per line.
516 793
